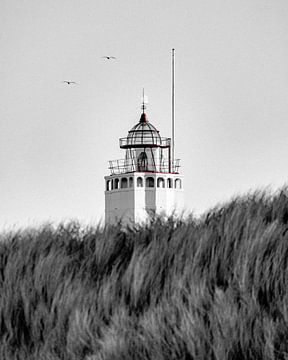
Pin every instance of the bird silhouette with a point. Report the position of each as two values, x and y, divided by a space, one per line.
109 57
69 82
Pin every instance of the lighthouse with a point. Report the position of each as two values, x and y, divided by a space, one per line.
147 180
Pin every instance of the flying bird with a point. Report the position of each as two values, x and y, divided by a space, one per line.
109 57
69 82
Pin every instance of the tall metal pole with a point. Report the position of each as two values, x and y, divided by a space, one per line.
173 112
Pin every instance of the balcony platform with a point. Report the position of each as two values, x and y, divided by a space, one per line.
124 166
144 140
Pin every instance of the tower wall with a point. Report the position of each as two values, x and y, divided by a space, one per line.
119 202
145 194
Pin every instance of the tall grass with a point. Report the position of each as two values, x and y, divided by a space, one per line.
208 288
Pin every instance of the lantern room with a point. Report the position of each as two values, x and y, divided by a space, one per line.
146 151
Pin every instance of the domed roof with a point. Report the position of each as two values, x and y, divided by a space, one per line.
144 133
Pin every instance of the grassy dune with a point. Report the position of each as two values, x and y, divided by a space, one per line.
208 288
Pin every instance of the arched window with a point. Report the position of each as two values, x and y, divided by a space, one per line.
142 162
124 183
169 183
131 181
160 183
108 185
178 184
149 181
116 183
139 182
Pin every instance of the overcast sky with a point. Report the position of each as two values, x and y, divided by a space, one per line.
56 139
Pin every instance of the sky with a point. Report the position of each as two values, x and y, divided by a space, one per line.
231 98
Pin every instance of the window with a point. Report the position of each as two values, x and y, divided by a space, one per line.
124 183
139 182
116 184
169 183
131 182
178 184
108 185
149 182
142 162
160 183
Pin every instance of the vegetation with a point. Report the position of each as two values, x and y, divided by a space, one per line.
208 288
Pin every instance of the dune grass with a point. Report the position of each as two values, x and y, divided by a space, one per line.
208 288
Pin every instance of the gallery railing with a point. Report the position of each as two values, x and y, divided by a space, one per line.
144 140
123 166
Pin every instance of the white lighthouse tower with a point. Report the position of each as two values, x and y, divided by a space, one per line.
147 180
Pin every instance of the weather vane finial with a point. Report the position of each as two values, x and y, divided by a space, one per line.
144 101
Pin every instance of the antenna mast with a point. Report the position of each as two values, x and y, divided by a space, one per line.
173 112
